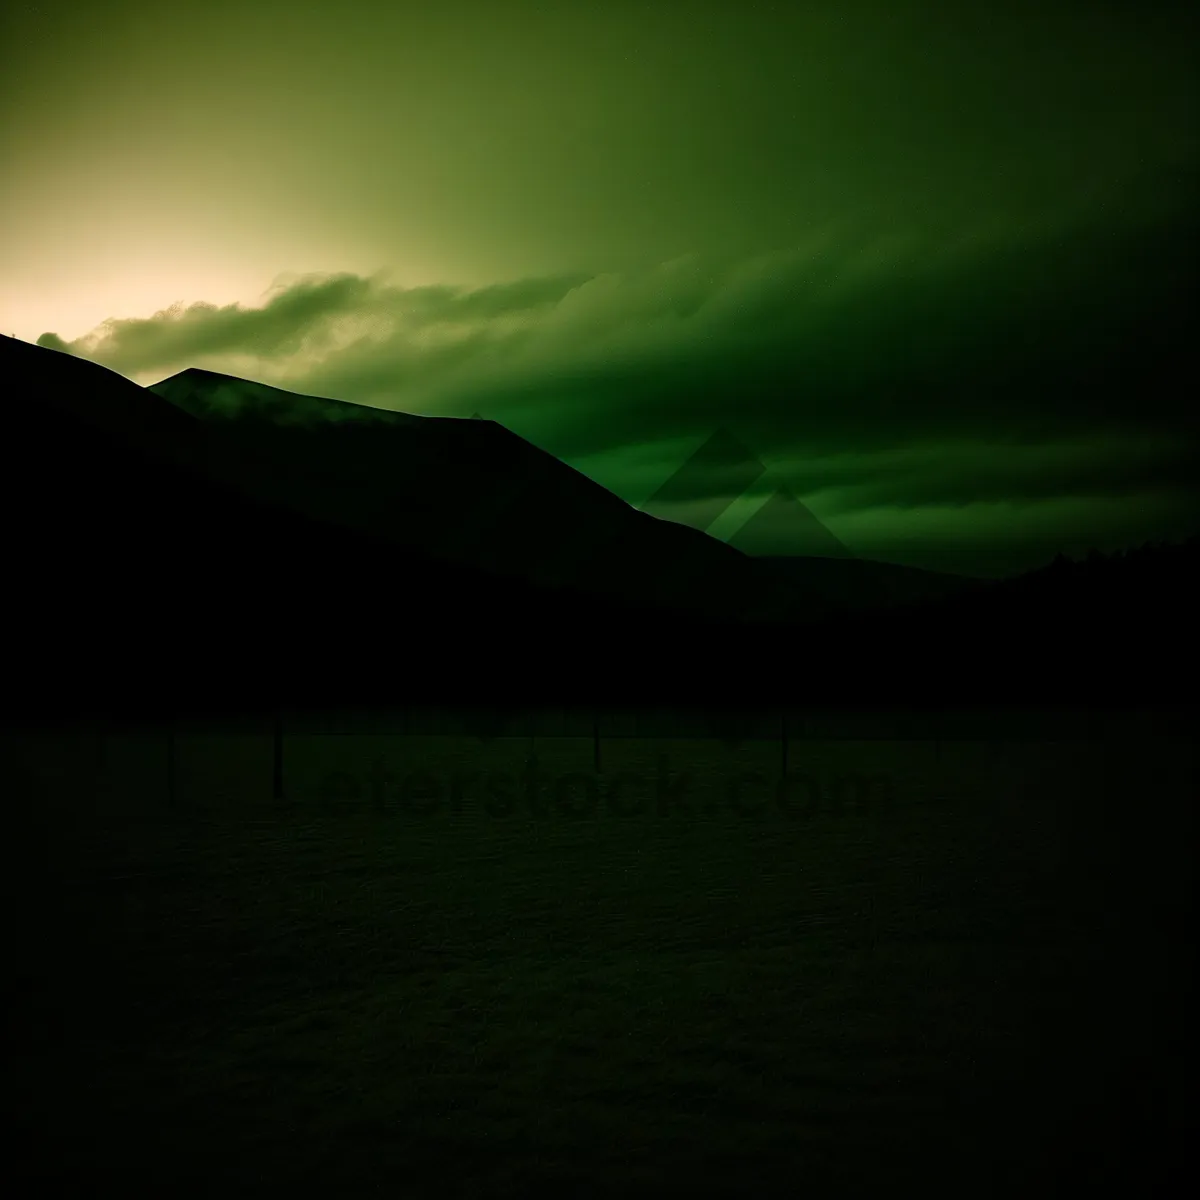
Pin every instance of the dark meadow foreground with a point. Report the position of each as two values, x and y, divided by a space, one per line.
957 963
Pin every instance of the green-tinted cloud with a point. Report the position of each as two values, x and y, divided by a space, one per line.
871 374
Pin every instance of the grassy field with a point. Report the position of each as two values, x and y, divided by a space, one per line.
962 968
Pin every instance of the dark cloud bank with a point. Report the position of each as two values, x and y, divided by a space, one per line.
978 404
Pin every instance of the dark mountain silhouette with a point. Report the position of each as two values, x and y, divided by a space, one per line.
468 491
157 562
473 492
140 573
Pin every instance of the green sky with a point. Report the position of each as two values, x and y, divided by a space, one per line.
932 263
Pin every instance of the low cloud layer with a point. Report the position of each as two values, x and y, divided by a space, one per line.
974 403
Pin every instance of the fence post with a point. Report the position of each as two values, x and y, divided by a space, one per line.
783 744
277 758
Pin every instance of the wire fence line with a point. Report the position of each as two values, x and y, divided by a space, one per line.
735 725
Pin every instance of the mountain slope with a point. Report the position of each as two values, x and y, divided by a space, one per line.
475 493
144 572
136 577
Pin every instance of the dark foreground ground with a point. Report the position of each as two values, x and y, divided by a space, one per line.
966 972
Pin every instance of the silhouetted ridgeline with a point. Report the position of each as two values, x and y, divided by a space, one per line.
141 576
137 580
155 565
474 493
1116 626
